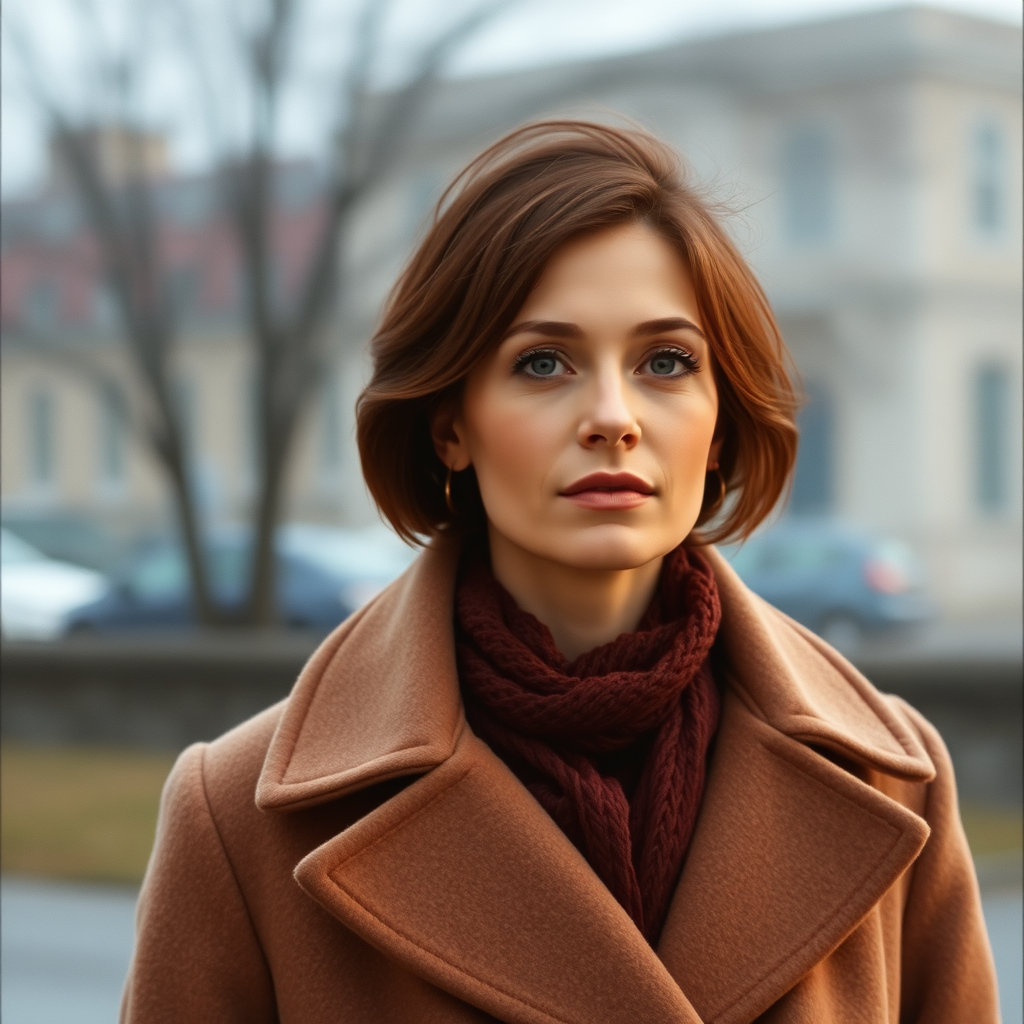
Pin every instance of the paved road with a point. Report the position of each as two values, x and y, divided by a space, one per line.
66 949
1003 915
65 952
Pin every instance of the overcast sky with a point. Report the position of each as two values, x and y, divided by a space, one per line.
540 32
535 32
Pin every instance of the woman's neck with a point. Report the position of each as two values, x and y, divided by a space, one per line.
583 608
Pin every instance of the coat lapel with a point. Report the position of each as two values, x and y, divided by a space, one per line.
379 699
791 851
464 878
466 881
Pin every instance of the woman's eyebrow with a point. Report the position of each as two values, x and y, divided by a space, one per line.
548 328
564 329
669 323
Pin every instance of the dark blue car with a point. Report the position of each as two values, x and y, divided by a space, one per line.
323 575
842 582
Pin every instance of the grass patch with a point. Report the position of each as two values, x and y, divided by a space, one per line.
992 830
90 814
79 813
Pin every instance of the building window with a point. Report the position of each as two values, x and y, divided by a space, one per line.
809 185
112 448
330 420
814 479
41 455
992 431
989 179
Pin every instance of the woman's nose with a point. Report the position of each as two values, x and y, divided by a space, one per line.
609 420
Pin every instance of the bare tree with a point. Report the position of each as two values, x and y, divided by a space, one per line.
287 342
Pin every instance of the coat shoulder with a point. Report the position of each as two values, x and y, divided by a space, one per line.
223 771
234 760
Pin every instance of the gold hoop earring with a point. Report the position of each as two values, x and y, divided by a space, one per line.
448 492
721 485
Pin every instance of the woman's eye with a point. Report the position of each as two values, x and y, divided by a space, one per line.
671 364
539 364
543 366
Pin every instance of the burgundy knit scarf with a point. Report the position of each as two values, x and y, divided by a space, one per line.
556 723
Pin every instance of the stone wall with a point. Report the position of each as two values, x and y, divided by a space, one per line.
162 693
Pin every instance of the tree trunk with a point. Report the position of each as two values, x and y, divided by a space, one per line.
261 607
206 611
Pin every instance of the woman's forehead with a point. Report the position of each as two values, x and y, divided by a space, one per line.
629 272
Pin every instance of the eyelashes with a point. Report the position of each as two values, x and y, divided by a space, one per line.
542 363
662 355
538 358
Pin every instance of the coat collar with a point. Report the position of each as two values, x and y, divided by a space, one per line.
464 878
378 699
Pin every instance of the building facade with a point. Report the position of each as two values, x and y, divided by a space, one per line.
868 166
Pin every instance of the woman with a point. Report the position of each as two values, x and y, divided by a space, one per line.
568 768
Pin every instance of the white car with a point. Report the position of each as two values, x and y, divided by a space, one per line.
367 559
37 593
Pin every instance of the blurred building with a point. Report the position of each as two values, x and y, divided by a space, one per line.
872 164
72 420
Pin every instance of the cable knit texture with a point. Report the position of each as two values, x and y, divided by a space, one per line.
648 695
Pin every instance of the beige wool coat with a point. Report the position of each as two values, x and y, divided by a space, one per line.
355 854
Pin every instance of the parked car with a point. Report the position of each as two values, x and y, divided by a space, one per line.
39 594
68 537
843 582
323 576
366 560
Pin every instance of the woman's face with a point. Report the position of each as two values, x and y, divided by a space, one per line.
592 425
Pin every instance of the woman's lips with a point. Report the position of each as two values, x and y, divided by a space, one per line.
607 500
609 491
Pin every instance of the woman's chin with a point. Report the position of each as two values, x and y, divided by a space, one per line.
612 547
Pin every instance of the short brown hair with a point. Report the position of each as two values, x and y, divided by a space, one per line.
493 232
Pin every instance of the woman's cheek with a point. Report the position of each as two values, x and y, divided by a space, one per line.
511 456
687 443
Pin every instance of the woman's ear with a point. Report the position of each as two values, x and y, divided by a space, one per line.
448 434
715 451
